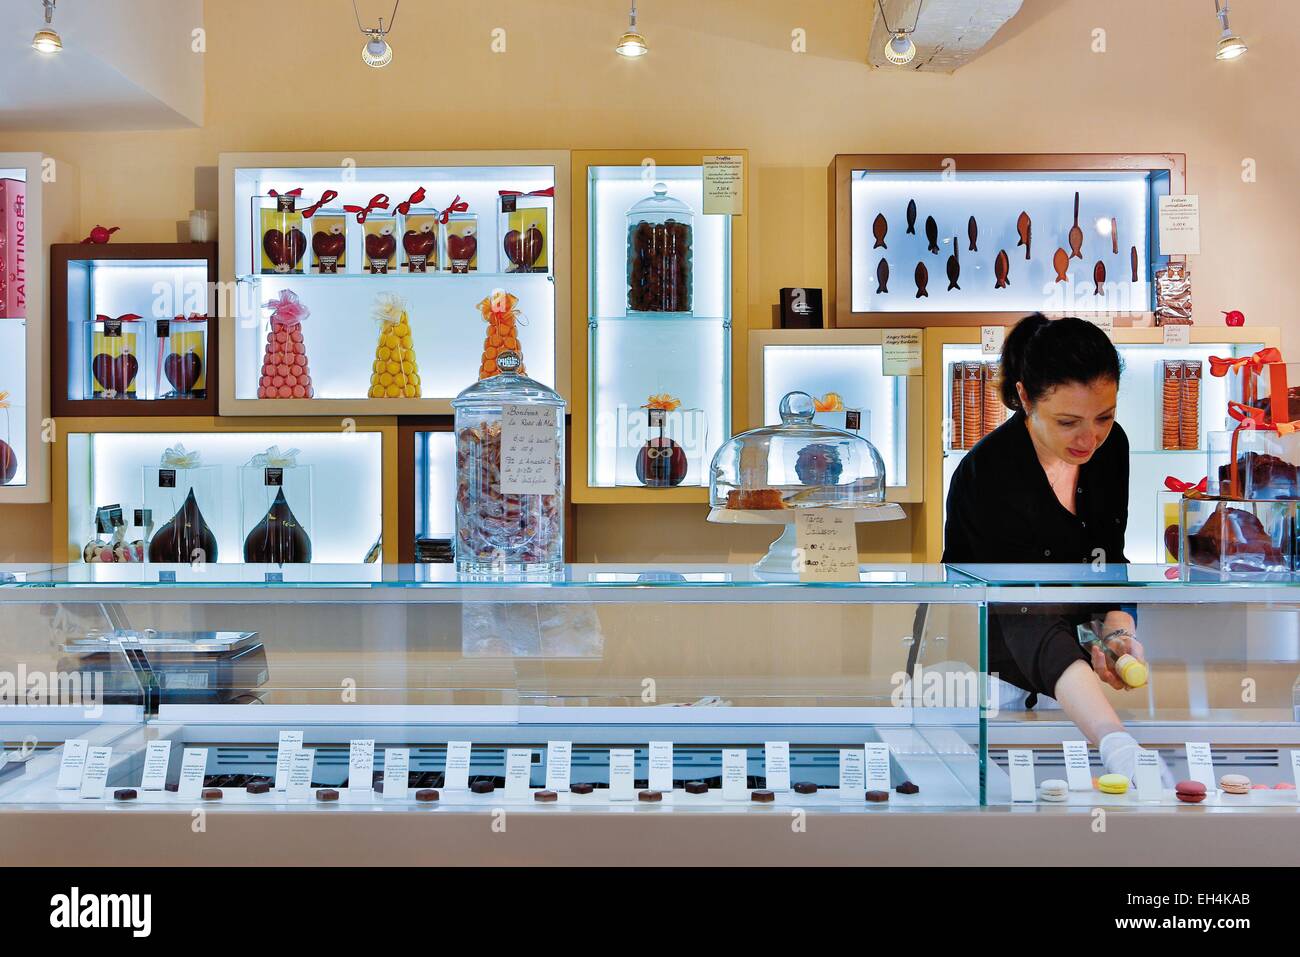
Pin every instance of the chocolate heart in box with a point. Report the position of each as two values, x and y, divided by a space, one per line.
183 370
380 247
114 373
419 243
284 250
329 245
524 249
461 248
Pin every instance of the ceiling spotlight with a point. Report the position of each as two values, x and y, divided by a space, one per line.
899 48
48 39
377 51
632 43
1230 45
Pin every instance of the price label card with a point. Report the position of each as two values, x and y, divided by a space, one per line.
456 776
194 763
1200 764
1177 334
1295 770
1105 323
157 757
827 543
901 352
290 741
661 766
622 774
852 782
735 774
991 339
724 187
776 765
559 765
361 765
72 764
1147 776
877 766
1180 225
95 776
529 450
301 763
1020 765
397 768
519 769
1078 772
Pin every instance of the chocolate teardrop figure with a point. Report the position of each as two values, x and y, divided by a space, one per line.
954 267
1076 234
882 277
932 234
1001 270
185 537
1133 261
1098 277
973 231
922 277
911 217
878 229
1061 262
278 538
1114 237
1025 229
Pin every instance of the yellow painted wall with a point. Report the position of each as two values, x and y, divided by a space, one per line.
287 76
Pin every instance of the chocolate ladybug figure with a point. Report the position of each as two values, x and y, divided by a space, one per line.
661 463
1234 318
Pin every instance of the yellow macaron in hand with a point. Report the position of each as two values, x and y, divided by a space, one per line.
1112 784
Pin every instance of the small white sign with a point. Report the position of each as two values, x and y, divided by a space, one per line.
290 741
661 766
1180 225
1177 334
456 775
1078 771
559 765
826 543
622 774
901 352
157 757
1200 764
397 770
72 764
519 769
361 765
724 186
877 766
776 765
96 773
852 787
194 763
301 763
1147 776
1295 771
1020 765
991 339
1105 323
529 450
735 774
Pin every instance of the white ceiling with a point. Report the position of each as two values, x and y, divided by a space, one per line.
125 65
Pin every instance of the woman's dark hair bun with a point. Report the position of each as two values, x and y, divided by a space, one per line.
1042 353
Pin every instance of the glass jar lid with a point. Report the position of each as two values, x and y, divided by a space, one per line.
507 387
660 207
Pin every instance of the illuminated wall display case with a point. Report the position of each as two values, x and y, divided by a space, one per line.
381 284
426 481
660 305
921 238
842 369
133 331
38 206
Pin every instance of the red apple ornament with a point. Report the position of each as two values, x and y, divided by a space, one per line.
1234 318
99 235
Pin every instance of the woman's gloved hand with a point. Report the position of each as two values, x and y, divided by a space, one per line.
1125 643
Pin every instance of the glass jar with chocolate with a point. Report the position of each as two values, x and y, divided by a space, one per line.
659 236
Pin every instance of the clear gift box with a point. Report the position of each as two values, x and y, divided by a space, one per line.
460 242
524 225
1237 536
181 358
275 505
116 347
661 448
280 234
328 229
183 496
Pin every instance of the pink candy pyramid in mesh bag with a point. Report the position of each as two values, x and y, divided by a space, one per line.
284 365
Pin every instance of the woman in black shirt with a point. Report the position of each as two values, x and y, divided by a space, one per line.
1051 485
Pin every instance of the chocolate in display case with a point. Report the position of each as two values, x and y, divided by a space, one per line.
416 240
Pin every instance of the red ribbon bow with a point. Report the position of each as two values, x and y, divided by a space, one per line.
125 317
549 191
1178 485
192 317
378 201
292 192
1254 363
405 205
458 205
326 197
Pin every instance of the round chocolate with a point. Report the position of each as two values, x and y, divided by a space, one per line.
649 796
327 794
482 787
696 787
545 796
762 797
805 787
258 787
877 796
582 788
907 787
427 794
125 794
211 794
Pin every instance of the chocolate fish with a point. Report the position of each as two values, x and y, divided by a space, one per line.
1114 236
911 217
1133 261
1098 277
1001 270
932 234
922 277
882 276
1061 262
973 231
1076 233
878 229
954 267
1025 228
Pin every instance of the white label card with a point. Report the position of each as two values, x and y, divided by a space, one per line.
724 187
529 450
1295 770
1078 771
1180 225
1177 334
157 757
622 774
826 542
991 339
559 765
519 768
877 767
72 764
290 741
397 769
96 773
852 787
901 352
776 765
735 774
1020 765
301 763
361 765
1200 764
1105 323
456 775
194 762
1147 776
661 766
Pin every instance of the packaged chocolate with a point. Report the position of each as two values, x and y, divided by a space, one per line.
282 233
180 365
114 348
275 499
955 407
188 492
524 225
8 457
972 403
462 242
420 241
329 243
381 244
993 412
1170 373
1173 295
395 373
1189 406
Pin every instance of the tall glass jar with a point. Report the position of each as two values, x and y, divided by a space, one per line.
659 236
509 475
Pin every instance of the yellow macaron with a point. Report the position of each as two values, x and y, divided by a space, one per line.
1112 784
1131 671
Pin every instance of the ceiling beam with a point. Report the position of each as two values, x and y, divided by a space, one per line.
949 33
